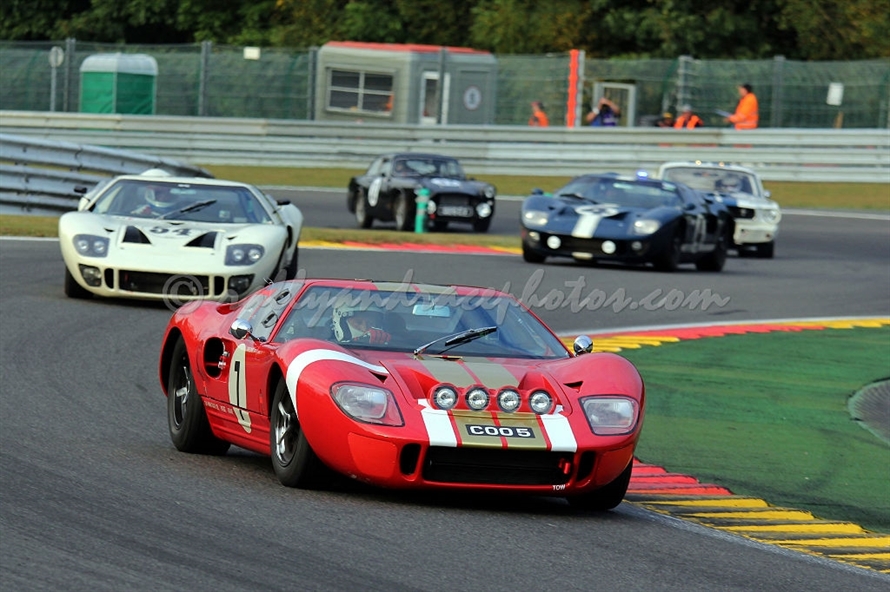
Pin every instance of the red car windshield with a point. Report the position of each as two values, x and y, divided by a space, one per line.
410 319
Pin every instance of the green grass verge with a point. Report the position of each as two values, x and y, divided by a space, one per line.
765 415
789 195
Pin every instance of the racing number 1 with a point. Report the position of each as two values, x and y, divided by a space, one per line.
238 387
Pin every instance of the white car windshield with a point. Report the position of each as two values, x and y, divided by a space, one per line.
714 179
181 201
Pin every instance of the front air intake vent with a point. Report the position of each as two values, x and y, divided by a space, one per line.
206 241
134 235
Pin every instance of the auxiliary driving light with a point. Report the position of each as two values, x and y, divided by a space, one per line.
477 399
508 400
553 242
445 397
609 247
541 402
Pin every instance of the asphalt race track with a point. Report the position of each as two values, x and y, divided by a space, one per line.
93 496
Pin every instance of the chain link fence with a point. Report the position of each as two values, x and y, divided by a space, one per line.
280 83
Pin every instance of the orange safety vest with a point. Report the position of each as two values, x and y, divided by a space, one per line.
539 119
745 116
690 121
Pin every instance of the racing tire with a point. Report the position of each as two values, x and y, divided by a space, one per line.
186 418
401 212
766 250
362 218
293 460
606 497
351 197
290 272
73 289
482 224
670 260
530 256
716 259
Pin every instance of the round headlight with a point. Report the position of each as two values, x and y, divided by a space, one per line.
541 402
237 255
509 400
445 397
254 254
100 247
489 192
483 209
644 226
553 242
609 247
477 399
82 245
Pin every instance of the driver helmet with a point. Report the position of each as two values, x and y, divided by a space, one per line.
160 197
731 184
345 308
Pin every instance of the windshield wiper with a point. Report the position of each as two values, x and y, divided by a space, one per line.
457 339
189 208
577 196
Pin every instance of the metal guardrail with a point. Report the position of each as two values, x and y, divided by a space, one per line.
776 154
52 174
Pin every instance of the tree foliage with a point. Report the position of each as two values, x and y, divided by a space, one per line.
713 29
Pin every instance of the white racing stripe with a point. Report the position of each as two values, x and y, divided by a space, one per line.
589 218
586 224
303 360
438 426
559 432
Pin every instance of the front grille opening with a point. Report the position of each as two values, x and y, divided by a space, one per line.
109 277
482 466
408 459
163 283
585 465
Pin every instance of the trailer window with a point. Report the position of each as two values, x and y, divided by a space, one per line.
365 92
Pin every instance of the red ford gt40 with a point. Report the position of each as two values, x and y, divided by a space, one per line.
403 386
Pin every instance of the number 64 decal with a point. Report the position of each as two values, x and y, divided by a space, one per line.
238 387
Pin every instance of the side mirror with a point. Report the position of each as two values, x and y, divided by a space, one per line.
537 191
767 193
241 329
283 202
582 345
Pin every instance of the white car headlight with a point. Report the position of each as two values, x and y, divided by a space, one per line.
489 192
367 403
89 245
771 216
645 226
244 254
610 416
535 218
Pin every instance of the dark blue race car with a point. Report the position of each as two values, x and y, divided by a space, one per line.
626 219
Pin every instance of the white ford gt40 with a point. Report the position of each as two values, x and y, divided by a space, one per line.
158 237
